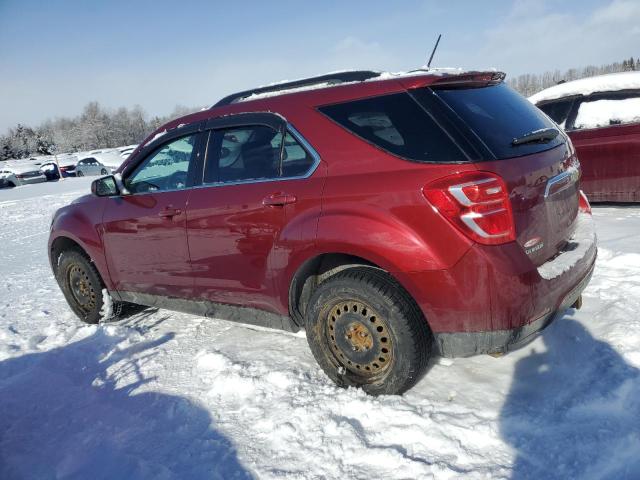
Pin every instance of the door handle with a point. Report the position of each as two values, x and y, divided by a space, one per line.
278 200
169 212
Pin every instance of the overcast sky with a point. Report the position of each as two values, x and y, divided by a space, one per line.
55 56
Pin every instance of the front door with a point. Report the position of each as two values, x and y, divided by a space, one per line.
145 231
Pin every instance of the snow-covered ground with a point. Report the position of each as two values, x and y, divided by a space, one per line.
166 395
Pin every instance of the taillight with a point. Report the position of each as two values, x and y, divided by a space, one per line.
20 176
477 203
583 203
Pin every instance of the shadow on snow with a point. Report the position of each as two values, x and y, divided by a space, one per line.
574 410
62 416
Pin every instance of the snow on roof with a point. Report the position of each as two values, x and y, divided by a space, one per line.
586 86
381 76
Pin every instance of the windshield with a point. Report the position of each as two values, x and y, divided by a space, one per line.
498 115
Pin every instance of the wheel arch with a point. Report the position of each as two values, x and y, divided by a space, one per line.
65 241
317 269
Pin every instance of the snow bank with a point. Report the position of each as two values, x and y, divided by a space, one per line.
603 113
586 86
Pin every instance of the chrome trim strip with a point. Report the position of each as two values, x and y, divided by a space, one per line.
561 177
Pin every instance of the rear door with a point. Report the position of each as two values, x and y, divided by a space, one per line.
606 134
256 179
145 231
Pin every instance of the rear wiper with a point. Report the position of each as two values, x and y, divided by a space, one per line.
537 136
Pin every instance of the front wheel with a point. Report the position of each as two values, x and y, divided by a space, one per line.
366 331
84 290
80 174
81 285
103 171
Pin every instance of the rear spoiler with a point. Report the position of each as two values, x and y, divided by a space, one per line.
469 79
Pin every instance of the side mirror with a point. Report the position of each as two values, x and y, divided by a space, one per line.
105 187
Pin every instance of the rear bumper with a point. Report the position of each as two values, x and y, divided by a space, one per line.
495 299
466 344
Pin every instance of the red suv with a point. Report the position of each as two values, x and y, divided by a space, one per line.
392 217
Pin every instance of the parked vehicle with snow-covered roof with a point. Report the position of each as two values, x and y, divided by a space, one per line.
602 116
393 217
15 175
91 166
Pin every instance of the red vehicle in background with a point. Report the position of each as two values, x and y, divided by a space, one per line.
393 217
602 117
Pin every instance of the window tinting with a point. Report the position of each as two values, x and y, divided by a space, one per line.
165 169
558 111
253 153
498 114
244 153
397 124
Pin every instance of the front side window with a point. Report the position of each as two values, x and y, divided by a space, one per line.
165 169
255 152
607 112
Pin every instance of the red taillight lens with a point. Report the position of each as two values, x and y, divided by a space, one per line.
477 203
584 204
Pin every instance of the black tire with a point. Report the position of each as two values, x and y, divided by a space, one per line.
366 331
80 174
81 285
103 171
11 185
86 301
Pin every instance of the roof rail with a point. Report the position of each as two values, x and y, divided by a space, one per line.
331 78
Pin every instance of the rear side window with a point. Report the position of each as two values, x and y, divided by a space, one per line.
397 124
296 161
497 115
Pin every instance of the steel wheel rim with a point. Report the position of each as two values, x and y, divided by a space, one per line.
359 338
81 288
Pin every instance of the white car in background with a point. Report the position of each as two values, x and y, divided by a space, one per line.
91 166
15 175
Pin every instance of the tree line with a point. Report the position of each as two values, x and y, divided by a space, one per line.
531 83
97 127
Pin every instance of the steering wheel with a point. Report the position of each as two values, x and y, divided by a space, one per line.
177 180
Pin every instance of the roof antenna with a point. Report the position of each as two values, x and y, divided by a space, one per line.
433 51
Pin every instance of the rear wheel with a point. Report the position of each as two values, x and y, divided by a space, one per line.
83 289
103 171
80 174
366 331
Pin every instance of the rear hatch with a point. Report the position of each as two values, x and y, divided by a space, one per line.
508 136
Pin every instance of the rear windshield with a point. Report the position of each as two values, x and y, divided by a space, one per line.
398 124
497 114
